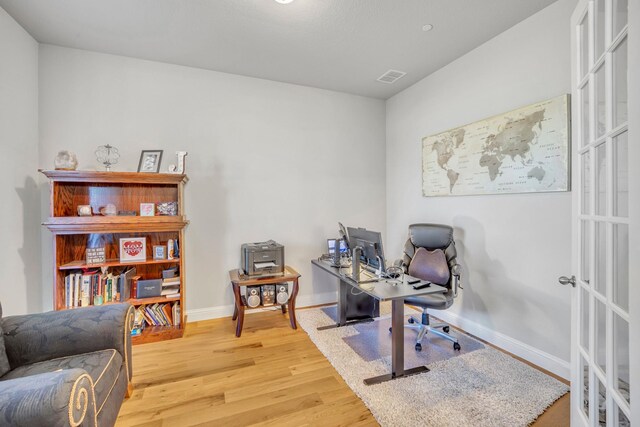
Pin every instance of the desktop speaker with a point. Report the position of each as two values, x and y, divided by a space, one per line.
282 293
268 294
253 296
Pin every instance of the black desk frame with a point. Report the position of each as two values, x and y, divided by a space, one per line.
396 295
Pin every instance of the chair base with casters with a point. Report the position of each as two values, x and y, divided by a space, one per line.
424 326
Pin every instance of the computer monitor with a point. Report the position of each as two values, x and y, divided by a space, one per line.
331 246
372 255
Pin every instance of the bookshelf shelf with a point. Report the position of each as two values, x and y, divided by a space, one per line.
75 265
157 333
73 234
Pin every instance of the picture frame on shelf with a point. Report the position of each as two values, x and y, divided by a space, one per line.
133 249
147 209
95 255
159 252
150 161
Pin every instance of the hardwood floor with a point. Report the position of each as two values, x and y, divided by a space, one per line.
271 375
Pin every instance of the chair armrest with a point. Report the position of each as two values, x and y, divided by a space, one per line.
36 337
60 398
455 278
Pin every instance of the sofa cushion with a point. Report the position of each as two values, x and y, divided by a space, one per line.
102 366
4 361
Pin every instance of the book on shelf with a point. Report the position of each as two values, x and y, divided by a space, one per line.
157 314
82 287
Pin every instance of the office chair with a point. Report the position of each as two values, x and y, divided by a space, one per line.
435 263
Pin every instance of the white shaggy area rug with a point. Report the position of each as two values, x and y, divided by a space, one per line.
484 387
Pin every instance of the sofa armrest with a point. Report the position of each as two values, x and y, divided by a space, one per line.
60 398
36 337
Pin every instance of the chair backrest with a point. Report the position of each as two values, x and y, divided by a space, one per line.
430 237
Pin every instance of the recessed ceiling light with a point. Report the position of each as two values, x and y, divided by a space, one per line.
284 1
427 27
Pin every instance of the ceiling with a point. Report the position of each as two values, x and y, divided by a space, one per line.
342 45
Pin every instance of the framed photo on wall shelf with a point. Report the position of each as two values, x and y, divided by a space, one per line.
159 252
133 249
150 161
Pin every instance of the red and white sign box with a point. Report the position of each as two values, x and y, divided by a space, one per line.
133 249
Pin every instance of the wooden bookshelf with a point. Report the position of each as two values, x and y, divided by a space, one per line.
126 190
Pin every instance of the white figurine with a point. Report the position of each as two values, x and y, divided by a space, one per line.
179 166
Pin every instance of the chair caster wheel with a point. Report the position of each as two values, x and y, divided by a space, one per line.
410 320
418 347
445 329
456 346
389 330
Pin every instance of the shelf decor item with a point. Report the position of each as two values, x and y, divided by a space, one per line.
147 209
167 208
66 160
159 252
95 255
133 249
84 210
107 155
179 166
150 161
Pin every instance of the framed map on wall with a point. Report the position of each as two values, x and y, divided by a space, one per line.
524 150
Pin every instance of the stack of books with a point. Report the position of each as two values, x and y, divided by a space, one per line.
171 287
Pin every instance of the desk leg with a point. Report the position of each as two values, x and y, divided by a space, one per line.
292 305
343 289
238 312
397 338
342 303
397 348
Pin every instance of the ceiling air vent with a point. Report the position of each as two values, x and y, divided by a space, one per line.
391 76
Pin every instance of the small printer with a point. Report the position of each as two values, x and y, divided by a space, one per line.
263 259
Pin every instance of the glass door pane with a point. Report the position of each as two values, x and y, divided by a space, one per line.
621 266
599 35
584 45
620 84
620 16
621 356
621 177
601 179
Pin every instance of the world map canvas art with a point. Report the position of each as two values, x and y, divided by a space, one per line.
524 150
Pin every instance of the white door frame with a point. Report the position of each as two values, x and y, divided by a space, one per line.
593 75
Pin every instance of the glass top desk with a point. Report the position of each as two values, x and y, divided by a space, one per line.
383 290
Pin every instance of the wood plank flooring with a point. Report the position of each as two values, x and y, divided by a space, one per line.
271 376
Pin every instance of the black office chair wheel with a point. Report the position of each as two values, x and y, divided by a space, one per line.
445 329
410 320
418 346
389 330
456 346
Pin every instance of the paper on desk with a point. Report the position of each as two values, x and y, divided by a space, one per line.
264 264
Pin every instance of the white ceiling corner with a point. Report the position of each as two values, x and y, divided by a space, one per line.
342 45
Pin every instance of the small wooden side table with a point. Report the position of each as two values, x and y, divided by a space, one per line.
237 281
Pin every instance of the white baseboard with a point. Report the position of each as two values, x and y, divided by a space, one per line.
540 358
198 314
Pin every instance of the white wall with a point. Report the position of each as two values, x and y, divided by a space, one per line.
21 290
512 247
266 160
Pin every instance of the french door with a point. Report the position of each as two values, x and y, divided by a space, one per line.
600 383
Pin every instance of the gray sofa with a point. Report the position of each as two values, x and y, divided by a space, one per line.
62 368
